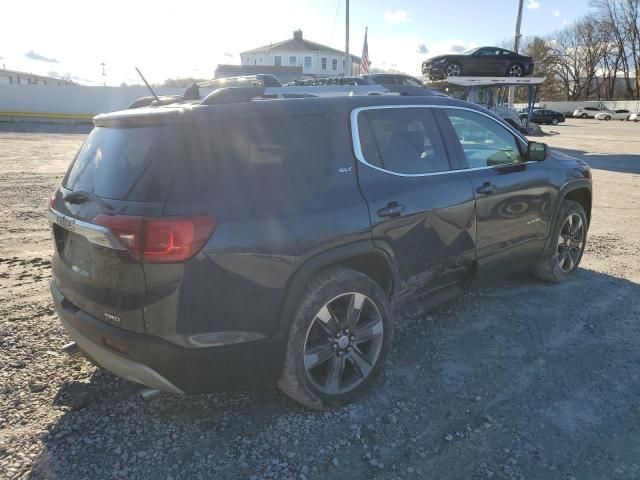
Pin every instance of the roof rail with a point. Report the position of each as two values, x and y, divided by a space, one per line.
233 95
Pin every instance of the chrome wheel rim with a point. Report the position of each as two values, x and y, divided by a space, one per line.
570 242
515 71
343 343
453 70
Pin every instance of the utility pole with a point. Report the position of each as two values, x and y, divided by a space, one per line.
516 48
104 74
347 61
516 45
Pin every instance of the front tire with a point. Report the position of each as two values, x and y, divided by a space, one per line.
566 244
583 116
340 337
554 121
607 118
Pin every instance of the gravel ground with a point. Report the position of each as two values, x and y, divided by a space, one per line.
518 379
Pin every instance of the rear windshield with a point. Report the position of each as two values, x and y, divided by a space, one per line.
256 158
133 164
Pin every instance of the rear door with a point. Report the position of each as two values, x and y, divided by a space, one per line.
419 204
125 171
513 195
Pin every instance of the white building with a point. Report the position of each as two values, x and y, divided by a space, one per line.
13 77
315 59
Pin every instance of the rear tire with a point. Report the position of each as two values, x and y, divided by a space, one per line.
329 362
554 121
583 116
607 118
453 69
566 244
515 70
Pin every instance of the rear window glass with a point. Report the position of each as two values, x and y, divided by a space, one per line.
127 163
259 157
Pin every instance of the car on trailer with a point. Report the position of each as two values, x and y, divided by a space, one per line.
482 61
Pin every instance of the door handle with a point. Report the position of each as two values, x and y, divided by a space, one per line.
486 188
393 209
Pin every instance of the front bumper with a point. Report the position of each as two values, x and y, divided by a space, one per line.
159 364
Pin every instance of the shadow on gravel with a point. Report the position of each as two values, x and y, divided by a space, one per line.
521 379
612 163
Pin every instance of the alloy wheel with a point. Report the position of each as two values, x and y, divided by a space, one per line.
343 343
570 242
515 71
454 70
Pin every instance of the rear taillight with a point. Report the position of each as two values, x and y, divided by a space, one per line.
160 240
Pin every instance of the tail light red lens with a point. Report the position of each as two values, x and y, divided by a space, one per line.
160 240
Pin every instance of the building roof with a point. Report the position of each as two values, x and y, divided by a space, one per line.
28 74
297 44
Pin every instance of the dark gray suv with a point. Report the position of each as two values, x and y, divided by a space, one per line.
248 243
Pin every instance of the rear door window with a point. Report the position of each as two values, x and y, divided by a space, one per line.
133 164
255 157
402 140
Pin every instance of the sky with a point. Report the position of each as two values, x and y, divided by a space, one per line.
169 39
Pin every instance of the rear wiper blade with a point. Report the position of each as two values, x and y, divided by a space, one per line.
81 196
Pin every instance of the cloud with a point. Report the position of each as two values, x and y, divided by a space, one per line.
458 48
422 48
41 58
533 4
556 13
397 16
230 55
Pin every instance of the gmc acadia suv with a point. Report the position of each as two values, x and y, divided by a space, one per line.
215 245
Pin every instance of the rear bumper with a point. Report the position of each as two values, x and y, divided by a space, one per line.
157 363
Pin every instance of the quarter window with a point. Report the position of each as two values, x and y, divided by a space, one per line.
402 140
485 142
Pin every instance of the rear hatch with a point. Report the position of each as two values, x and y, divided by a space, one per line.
120 176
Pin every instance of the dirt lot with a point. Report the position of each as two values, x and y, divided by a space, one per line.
516 380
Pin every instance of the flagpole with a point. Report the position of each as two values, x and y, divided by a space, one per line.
347 63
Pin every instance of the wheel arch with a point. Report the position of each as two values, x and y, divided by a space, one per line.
578 191
582 195
364 257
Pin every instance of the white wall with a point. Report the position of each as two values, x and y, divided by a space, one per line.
71 100
566 107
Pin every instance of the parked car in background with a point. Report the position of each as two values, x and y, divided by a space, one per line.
613 115
482 61
586 112
543 116
634 117
392 79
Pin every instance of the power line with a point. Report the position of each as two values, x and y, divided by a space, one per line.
335 18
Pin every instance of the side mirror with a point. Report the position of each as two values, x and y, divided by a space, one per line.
537 152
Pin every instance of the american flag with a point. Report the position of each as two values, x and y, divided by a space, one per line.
364 65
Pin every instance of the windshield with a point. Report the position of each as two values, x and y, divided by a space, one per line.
471 51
